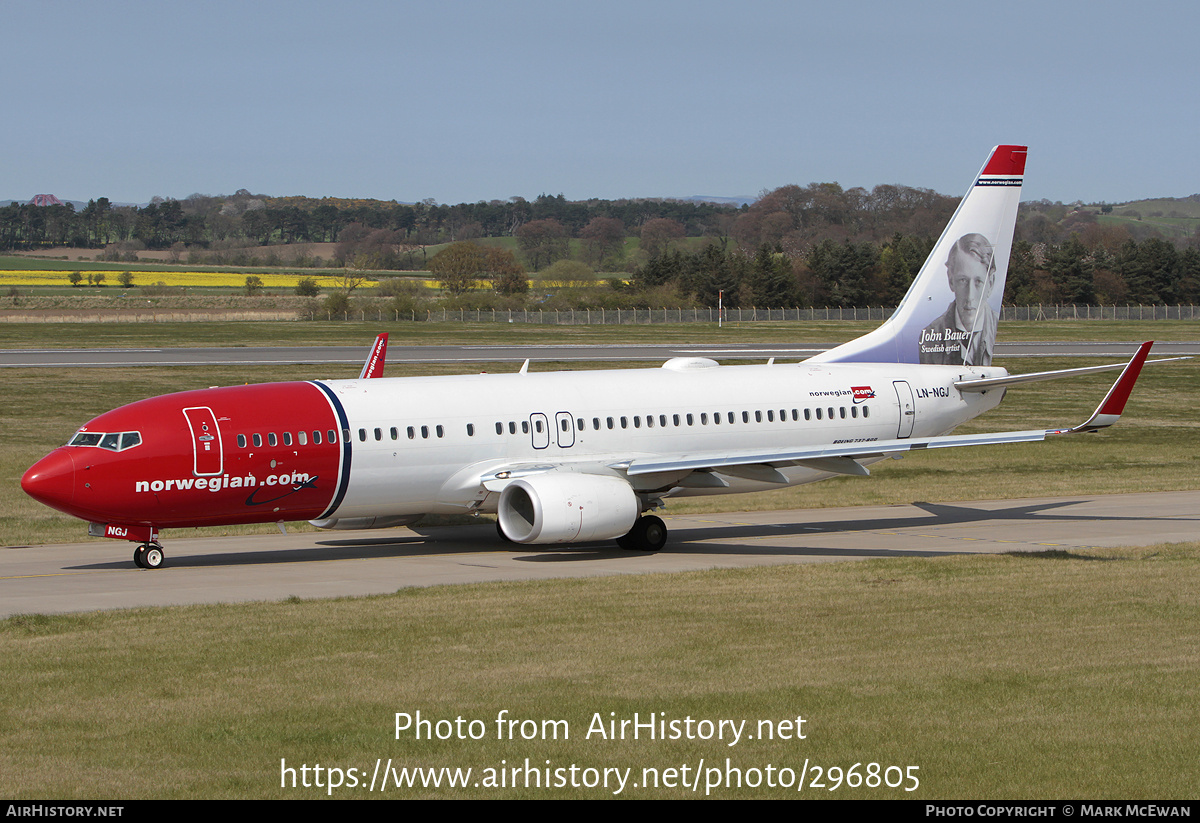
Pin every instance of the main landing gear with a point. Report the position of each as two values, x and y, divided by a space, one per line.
649 534
148 556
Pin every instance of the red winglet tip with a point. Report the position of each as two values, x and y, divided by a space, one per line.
1119 395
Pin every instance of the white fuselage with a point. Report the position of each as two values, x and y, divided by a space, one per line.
422 444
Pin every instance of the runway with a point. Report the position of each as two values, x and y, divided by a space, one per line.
101 575
397 353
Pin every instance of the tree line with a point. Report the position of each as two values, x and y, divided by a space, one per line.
815 245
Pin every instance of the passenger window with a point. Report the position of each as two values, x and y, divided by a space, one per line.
470 430
610 422
412 433
866 411
703 418
854 411
770 415
649 421
758 417
302 438
272 440
564 424
716 418
512 427
394 432
317 438
499 428
425 432
807 414
818 413
624 422
596 424
362 436
257 440
745 417
378 434
675 419
579 424
241 441
690 420
345 436
525 427
287 438
440 431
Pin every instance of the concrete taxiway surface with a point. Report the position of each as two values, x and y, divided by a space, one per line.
354 355
101 574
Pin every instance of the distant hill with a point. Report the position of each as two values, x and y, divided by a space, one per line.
740 201
1171 216
79 205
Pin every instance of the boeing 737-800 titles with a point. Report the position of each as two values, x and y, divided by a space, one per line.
568 457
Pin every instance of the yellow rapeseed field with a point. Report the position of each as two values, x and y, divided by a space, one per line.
185 279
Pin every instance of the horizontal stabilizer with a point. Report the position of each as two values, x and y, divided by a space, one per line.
1035 377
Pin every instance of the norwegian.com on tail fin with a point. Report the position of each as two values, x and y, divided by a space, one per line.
950 312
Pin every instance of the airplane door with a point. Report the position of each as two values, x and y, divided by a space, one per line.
207 456
908 408
564 429
539 429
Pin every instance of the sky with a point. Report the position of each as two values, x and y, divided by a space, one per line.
461 101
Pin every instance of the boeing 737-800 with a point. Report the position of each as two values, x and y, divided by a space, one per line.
568 457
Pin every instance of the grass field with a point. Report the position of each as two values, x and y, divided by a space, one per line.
1051 675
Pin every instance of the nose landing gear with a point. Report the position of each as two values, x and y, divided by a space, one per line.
148 556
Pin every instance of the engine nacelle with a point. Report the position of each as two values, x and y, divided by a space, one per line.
348 523
564 507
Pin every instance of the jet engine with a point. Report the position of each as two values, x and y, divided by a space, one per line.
563 507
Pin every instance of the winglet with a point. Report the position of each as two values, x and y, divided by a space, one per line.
1110 408
375 360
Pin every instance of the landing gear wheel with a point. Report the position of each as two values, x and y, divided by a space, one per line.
649 534
154 557
148 556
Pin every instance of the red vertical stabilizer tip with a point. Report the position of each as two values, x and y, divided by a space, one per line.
1007 160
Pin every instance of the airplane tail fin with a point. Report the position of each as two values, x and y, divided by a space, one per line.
950 312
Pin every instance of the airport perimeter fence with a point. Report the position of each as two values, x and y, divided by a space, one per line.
877 314
587 317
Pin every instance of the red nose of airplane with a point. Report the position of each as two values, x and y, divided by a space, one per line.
51 480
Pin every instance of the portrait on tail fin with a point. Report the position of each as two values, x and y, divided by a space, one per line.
966 333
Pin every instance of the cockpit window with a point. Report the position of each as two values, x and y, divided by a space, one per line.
113 441
86 439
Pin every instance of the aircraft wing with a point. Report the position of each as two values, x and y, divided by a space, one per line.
842 458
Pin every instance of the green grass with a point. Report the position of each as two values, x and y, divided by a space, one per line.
170 335
1057 675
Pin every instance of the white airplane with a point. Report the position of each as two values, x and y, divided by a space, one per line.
568 457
